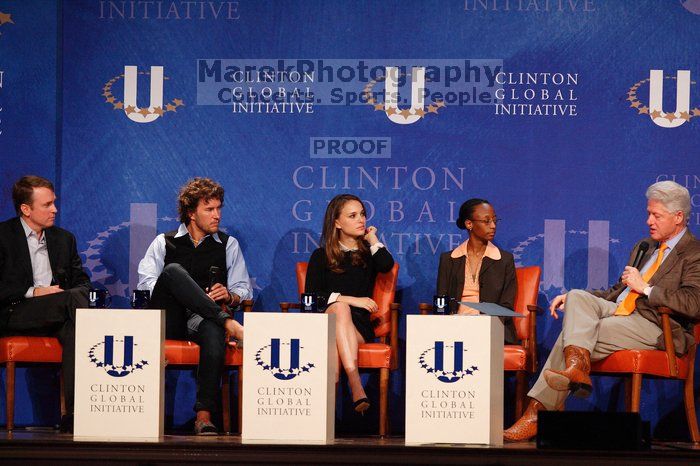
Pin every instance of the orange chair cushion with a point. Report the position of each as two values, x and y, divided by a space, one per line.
181 352
514 358
186 353
234 356
650 362
30 349
374 356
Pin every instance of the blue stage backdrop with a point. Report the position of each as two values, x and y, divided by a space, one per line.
560 112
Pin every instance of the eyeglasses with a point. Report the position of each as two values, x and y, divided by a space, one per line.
487 221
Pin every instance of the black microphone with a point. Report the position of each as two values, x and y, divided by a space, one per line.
214 273
643 248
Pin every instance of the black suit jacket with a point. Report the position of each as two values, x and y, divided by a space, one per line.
16 274
496 284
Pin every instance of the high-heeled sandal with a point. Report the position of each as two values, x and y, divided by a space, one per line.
361 405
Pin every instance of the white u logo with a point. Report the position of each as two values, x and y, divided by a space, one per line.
391 94
656 98
130 91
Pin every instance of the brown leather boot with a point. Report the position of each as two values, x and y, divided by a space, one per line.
525 428
576 377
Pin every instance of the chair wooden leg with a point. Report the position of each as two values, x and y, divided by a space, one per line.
628 393
226 400
383 402
240 399
520 393
62 396
689 395
636 392
10 394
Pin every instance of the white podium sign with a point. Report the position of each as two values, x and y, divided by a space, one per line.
454 379
289 364
119 368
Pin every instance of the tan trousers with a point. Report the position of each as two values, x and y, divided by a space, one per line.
589 323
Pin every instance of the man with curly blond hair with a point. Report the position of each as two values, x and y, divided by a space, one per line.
194 273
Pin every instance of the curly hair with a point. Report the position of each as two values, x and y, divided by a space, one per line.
195 190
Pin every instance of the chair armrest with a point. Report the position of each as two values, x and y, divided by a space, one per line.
666 314
394 339
285 306
247 305
535 308
425 308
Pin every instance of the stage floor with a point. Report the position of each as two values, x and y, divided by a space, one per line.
37 446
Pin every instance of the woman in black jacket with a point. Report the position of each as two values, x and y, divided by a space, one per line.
341 274
477 270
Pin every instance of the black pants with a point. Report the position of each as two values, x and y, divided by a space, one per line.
52 315
180 296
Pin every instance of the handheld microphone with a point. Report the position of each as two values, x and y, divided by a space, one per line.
214 273
643 248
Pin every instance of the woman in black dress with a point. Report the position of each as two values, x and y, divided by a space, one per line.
341 273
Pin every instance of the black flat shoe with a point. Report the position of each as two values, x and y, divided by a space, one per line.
361 405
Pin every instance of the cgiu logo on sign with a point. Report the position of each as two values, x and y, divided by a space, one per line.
655 106
437 366
269 358
113 354
129 106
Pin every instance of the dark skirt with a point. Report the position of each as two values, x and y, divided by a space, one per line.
360 317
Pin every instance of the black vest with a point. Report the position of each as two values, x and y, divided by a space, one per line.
196 261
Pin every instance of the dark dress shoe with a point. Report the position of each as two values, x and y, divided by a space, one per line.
66 425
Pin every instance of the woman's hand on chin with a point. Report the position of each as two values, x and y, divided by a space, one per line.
371 236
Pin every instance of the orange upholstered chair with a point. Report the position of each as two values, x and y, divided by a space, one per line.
382 355
184 353
21 350
634 364
522 358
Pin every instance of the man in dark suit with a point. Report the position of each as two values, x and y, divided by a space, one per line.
598 323
42 281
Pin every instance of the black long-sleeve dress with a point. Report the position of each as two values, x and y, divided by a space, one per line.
355 280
